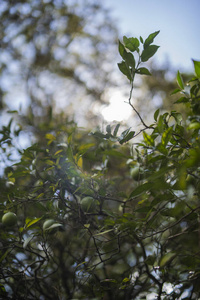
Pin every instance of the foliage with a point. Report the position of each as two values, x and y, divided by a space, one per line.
141 236
51 50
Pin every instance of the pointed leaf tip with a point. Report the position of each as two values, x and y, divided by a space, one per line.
148 52
180 80
150 39
197 67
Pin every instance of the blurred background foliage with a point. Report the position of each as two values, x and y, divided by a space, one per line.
55 54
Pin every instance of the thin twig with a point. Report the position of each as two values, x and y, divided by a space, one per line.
135 110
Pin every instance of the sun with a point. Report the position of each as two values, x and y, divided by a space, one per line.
118 109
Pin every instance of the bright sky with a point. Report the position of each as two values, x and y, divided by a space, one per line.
179 41
177 20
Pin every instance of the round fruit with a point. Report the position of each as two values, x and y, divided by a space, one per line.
135 172
9 219
48 223
88 204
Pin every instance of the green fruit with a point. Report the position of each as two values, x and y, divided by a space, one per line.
88 204
137 173
9 219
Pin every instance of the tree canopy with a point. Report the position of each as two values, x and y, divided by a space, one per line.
96 215
51 50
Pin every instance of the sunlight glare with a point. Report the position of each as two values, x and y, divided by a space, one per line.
117 110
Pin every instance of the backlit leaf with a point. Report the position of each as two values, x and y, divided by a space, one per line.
167 258
129 59
180 80
197 67
124 69
148 52
156 114
121 49
131 43
27 241
150 39
143 71
30 222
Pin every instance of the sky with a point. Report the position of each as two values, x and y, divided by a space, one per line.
177 20
179 41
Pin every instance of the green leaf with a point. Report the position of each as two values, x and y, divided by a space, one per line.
182 100
30 222
125 70
141 189
55 225
148 139
141 40
87 226
12 111
116 130
167 259
115 153
177 116
161 148
148 52
158 174
150 39
50 136
156 114
129 59
143 71
100 135
126 136
2 290
108 129
27 241
166 136
194 126
83 148
161 124
104 232
131 43
180 80
126 280
175 91
197 67
109 280
121 49
4 255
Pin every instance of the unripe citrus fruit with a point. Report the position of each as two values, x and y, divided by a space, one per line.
135 172
9 219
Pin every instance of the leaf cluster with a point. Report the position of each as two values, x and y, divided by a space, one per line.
129 66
